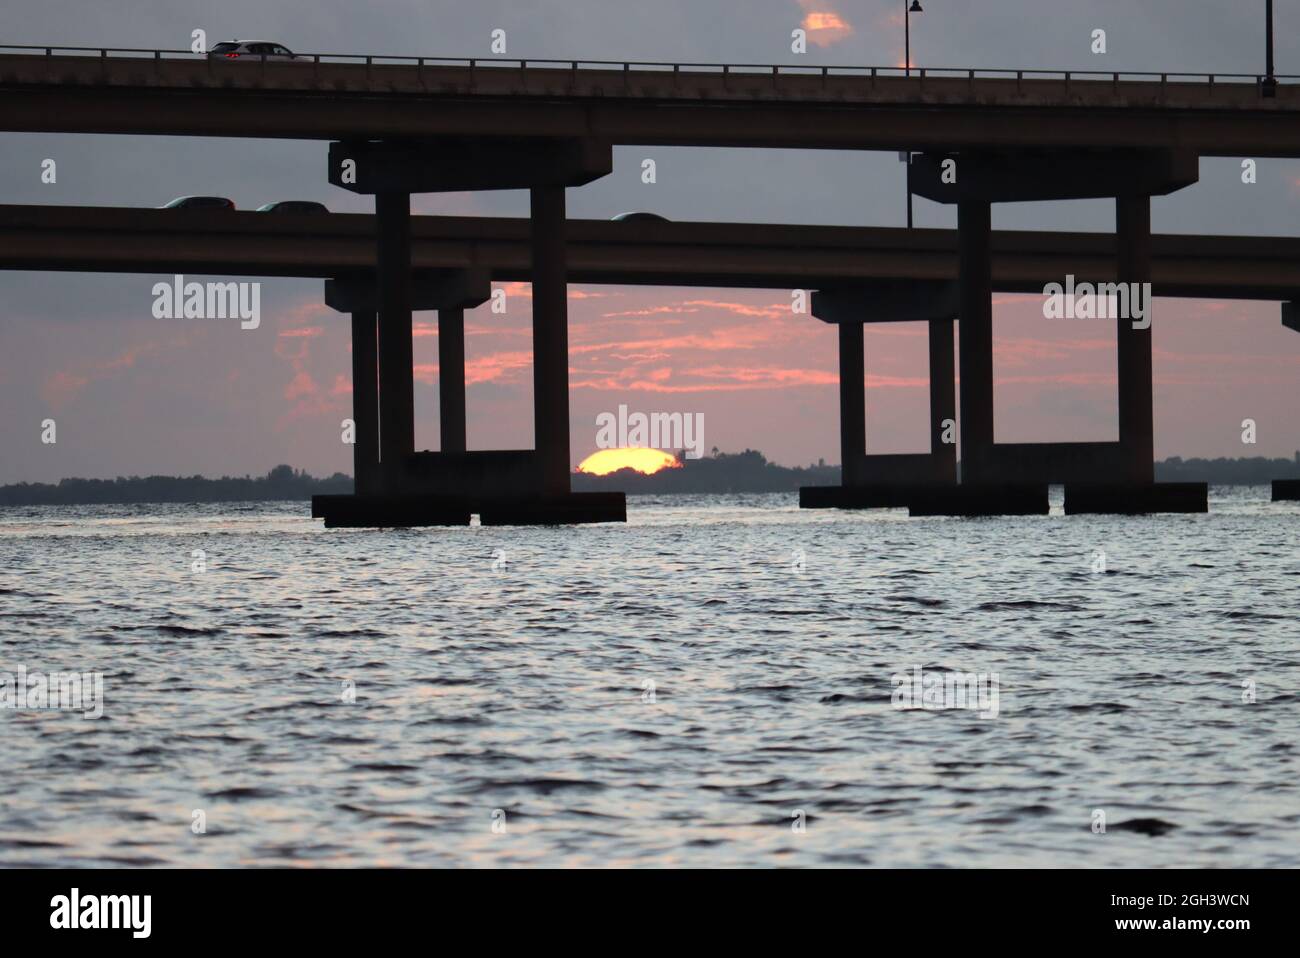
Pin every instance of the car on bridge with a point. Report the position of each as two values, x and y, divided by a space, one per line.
254 50
639 218
294 206
199 203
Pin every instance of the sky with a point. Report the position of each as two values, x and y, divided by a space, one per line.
136 395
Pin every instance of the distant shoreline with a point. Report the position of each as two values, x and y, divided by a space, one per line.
723 473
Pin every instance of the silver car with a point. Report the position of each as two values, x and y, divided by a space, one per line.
294 206
252 49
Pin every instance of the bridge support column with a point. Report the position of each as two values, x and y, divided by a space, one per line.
1134 490
975 277
943 396
1136 423
853 404
396 367
550 339
365 403
980 493
451 379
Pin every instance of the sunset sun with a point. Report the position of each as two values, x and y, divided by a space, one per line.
645 461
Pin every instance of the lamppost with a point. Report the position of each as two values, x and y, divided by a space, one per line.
1270 81
916 8
907 71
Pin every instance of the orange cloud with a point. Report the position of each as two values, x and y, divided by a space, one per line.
66 385
63 387
825 26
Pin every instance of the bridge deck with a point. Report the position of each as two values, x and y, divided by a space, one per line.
106 239
328 97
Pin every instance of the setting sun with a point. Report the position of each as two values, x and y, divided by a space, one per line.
645 461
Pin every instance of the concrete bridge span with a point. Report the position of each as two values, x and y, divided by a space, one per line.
327 97
739 255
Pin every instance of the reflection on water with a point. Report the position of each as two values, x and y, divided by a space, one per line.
509 671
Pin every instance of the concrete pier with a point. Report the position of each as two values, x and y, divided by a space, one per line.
1286 490
1135 499
1133 343
884 481
365 402
974 181
943 398
550 340
396 382
451 379
979 500
445 487
975 279
853 406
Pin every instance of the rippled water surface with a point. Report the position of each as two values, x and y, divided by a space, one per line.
503 674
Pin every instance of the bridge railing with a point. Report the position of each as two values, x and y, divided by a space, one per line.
775 71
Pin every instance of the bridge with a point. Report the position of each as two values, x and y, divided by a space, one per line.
746 256
402 126
330 96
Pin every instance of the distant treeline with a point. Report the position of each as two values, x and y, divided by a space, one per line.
1228 472
282 482
747 471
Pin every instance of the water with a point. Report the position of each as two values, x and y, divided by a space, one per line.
521 691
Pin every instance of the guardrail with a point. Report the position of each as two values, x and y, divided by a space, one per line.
920 74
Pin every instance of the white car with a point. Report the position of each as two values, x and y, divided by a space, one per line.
253 49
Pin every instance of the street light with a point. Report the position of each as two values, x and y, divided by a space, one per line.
907 71
1270 81
907 32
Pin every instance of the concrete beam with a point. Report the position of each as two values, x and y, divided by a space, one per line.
1128 499
479 163
887 301
1049 462
430 289
748 255
1029 175
792 109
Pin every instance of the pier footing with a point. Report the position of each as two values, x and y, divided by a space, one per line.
387 511
1133 499
1010 499
576 507
1285 490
